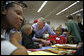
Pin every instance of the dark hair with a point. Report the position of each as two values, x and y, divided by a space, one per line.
70 17
6 6
65 30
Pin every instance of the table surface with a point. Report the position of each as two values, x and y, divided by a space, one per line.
43 52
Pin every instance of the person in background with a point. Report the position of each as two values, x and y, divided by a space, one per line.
61 28
11 47
65 33
58 38
79 21
40 27
73 29
27 40
69 38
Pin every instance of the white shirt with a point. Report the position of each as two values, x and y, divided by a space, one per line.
7 48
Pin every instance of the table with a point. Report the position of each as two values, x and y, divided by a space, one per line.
49 50
41 53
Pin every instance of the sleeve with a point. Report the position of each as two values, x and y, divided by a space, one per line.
33 26
68 26
50 31
34 37
7 48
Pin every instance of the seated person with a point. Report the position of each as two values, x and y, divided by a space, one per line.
27 37
65 33
57 39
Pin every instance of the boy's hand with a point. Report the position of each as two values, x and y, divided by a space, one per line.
40 45
45 42
15 35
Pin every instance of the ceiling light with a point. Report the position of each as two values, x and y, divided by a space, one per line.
76 12
68 7
42 6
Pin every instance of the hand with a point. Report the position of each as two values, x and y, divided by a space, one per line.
45 42
15 35
40 45
48 42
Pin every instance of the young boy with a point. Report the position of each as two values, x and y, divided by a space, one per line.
57 39
27 40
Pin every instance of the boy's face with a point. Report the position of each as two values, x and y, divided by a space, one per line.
58 32
14 16
29 31
78 19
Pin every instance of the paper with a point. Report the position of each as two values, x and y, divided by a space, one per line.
41 53
43 48
29 51
53 46
71 45
59 45
33 49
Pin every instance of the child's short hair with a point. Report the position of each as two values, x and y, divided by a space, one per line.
70 17
26 26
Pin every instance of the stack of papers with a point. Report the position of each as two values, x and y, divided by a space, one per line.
44 48
67 45
40 49
41 53
61 51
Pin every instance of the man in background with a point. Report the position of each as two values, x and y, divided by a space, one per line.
73 29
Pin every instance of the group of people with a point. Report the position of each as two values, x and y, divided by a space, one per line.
18 36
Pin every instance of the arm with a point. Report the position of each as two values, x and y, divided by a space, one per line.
50 31
68 26
14 38
37 40
40 40
20 51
